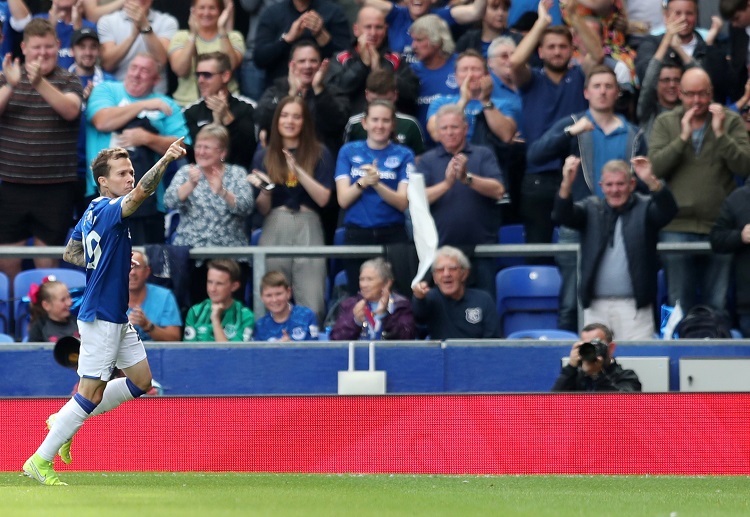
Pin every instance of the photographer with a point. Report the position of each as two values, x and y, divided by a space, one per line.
592 366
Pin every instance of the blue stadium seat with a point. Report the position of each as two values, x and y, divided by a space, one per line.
5 338
556 235
662 293
4 303
511 234
255 236
21 284
335 264
527 297
171 222
543 334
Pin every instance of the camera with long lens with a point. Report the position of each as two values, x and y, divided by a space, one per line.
593 349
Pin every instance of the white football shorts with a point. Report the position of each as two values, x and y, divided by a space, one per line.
105 345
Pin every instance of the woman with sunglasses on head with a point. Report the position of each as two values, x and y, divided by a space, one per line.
210 30
293 176
371 180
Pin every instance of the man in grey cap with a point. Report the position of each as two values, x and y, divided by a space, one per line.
84 44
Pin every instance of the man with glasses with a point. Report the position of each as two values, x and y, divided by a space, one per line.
696 149
709 56
662 79
218 105
452 311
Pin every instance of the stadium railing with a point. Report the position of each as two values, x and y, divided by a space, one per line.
260 253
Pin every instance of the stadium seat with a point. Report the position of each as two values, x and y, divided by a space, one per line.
335 264
5 338
255 236
4 303
662 293
21 284
527 298
511 234
338 290
543 334
171 222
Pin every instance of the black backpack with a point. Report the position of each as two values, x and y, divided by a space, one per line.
703 322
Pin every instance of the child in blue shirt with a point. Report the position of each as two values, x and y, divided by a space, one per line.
284 321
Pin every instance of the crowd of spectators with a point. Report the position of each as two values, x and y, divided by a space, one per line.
301 117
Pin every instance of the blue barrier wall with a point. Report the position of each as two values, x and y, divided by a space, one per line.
412 367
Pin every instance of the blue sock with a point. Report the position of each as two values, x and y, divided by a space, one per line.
134 390
85 403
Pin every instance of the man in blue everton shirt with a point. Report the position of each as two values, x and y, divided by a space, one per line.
101 243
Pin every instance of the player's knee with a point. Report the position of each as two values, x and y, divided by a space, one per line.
139 387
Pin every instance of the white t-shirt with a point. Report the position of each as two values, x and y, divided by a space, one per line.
117 27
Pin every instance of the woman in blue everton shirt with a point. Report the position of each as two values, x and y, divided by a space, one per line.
371 178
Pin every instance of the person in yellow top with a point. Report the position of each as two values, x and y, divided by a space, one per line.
210 30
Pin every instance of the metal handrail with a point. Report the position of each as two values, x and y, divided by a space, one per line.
259 254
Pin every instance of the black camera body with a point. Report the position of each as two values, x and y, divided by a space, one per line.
593 349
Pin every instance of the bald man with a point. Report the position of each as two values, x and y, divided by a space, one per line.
697 148
351 67
152 309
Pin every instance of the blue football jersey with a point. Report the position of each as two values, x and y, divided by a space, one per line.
395 163
301 325
107 250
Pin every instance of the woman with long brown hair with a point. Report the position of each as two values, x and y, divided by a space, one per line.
300 169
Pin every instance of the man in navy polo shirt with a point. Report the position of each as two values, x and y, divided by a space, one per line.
464 183
548 94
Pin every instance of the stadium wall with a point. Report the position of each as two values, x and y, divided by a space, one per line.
677 433
312 369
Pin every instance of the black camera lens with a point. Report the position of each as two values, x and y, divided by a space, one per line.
590 351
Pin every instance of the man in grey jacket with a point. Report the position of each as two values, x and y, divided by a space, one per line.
596 136
618 244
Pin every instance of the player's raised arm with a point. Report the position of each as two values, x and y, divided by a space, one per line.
150 181
73 253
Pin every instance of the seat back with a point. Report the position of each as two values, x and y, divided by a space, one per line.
21 284
527 297
511 234
544 334
255 236
4 303
335 264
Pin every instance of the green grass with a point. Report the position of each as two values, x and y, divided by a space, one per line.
167 494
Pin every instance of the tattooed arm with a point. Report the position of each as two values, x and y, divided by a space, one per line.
150 181
74 253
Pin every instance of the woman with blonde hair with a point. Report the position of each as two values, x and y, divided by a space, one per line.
210 30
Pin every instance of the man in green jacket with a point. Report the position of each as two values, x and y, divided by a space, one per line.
697 149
